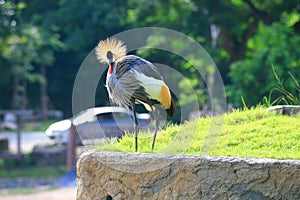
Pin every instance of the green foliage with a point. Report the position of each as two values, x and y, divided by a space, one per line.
14 162
31 46
34 126
33 172
250 133
253 77
26 47
61 33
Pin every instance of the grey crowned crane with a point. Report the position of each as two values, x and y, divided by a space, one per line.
131 79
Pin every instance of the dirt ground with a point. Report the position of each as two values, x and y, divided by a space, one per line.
67 193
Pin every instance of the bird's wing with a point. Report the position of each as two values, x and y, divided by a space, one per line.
143 82
138 64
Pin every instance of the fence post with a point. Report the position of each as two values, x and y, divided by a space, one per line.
71 150
19 124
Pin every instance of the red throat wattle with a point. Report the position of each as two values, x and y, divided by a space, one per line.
111 68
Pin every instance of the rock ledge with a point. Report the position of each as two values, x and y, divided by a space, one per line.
112 175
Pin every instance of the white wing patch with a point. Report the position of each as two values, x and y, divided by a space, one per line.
152 86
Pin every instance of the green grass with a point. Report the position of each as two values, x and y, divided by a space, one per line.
32 172
26 191
248 133
36 125
33 126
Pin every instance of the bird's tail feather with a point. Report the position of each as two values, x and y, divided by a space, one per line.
117 47
172 110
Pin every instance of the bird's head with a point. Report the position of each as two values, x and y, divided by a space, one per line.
110 57
110 50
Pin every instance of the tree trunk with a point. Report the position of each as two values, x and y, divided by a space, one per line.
24 99
235 48
44 95
15 97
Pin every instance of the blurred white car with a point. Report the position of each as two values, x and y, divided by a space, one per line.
98 123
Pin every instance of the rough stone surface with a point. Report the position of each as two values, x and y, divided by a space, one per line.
285 109
107 175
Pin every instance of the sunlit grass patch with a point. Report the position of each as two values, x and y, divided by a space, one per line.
248 133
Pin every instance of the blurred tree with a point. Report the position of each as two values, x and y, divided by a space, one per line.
18 51
277 44
27 46
46 44
7 23
38 31
80 25
237 20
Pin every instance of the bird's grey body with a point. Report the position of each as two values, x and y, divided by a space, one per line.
123 85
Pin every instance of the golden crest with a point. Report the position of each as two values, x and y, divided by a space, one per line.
117 47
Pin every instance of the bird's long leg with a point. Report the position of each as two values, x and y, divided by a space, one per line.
135 126
155 114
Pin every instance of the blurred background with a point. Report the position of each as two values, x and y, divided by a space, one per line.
42 45
254 43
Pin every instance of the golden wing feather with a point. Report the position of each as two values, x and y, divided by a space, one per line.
117 47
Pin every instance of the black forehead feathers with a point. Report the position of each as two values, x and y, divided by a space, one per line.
109 55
